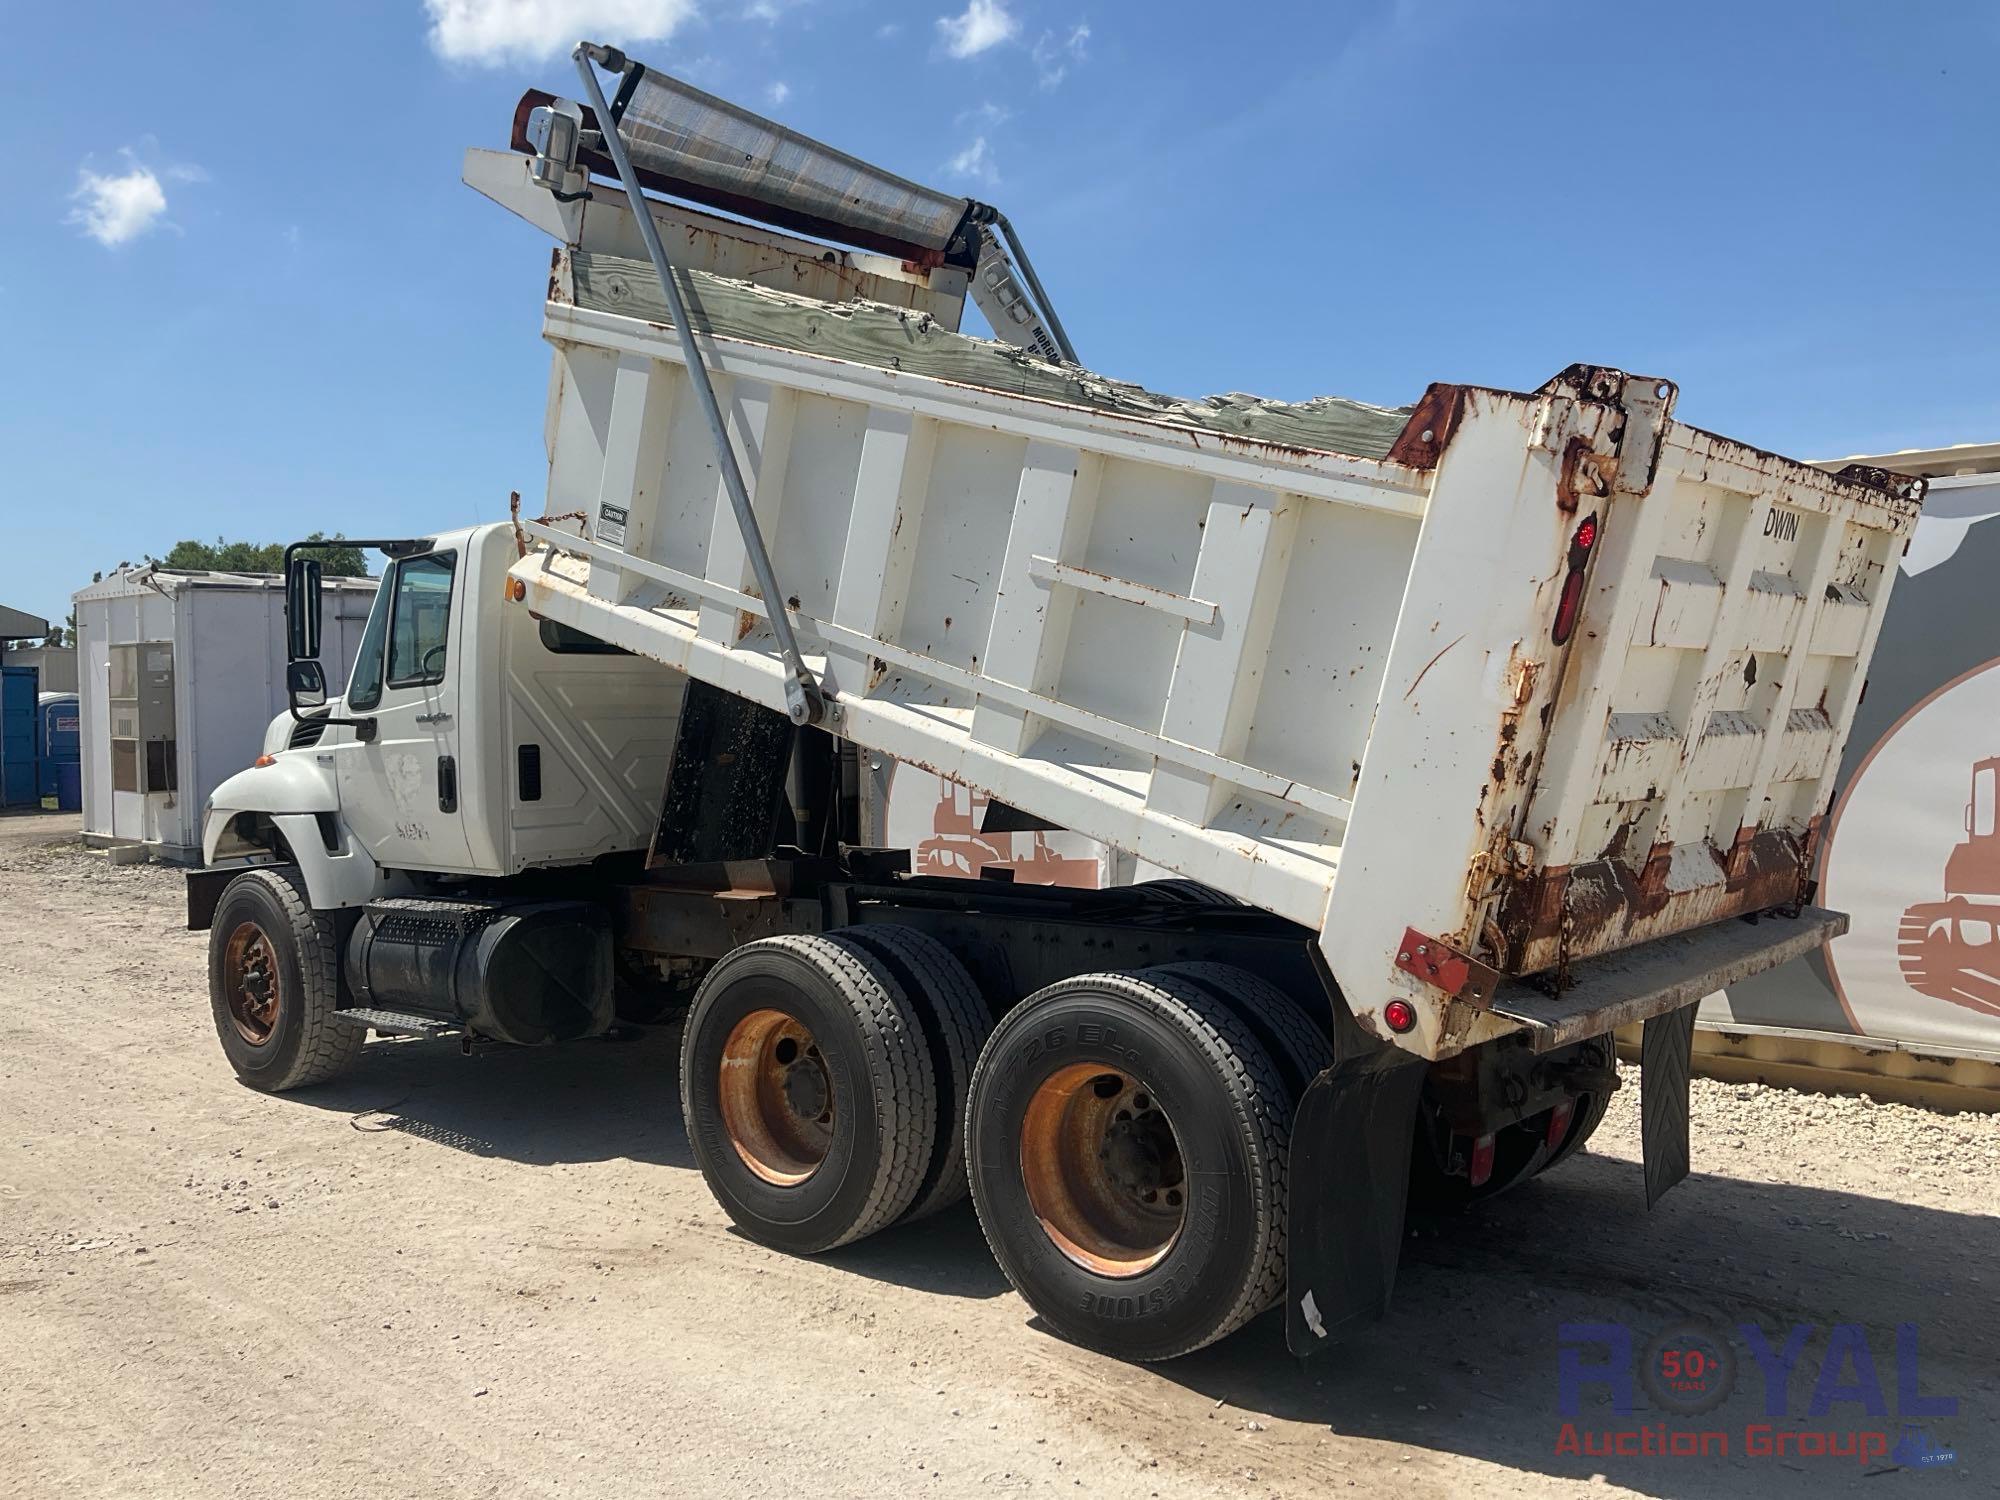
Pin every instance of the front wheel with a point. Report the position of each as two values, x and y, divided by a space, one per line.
1128 1145
274 984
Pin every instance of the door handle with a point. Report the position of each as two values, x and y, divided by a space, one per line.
447 784
436 718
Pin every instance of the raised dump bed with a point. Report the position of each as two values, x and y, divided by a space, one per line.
1525 676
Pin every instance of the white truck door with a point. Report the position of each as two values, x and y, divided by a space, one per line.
399 793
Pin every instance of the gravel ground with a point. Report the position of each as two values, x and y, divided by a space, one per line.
502 1276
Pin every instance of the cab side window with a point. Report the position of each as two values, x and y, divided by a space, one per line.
419 617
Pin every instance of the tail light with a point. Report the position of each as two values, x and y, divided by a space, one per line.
1581 541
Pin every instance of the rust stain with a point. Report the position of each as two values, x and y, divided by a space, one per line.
1573 911
1436 963
1432 422
1585 471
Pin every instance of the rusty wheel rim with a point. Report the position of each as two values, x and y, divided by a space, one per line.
252 982
777 1100
1103 1170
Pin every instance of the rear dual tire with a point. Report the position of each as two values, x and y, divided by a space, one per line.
1129 1143
823 1080
1126 1135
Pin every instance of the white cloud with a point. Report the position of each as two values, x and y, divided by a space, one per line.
112 210
985 23
976 162
501 31
888 31
778 92
987 115
1054 55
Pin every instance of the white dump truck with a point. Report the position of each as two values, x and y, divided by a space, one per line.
1456 735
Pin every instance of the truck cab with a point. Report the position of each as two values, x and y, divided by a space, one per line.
471 740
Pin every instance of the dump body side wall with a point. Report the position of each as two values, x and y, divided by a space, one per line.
1165 639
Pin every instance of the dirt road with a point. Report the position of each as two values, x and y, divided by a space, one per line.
502 1276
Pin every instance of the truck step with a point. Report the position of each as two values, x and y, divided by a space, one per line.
403 1023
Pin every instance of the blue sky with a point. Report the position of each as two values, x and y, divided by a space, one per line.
242 291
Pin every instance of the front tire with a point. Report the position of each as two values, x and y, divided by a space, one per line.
1128 1145
274 984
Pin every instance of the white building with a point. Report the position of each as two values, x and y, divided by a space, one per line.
180 672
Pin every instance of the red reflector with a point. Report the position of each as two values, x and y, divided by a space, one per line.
1400 1014
1567 606
1482 1161
1580 542
1559 1118
265 760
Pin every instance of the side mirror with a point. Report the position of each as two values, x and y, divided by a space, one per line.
305 684
302 577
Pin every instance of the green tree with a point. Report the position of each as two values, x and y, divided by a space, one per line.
265 557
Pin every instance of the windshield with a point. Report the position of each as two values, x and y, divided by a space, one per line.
364 684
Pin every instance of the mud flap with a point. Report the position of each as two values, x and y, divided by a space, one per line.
1350 1179
1666 1050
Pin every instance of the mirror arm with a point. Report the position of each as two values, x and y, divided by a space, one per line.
364 727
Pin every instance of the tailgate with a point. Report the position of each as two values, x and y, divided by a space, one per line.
1624 670
1724 645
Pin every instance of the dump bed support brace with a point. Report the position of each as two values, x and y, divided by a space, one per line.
804 702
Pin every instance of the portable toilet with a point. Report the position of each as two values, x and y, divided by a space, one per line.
61 751
20 783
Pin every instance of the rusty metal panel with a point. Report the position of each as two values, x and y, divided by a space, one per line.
1701 738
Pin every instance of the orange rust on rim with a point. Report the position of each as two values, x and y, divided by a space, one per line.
1422 441
253 983
776 1097
1102 1170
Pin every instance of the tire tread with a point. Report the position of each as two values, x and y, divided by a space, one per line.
1256 1092
956 1021
892 1036
327 1047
